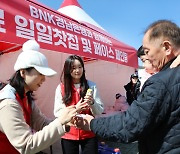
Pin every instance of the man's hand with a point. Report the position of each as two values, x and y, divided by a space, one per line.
83 121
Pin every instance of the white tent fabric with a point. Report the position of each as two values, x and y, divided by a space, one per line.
78 14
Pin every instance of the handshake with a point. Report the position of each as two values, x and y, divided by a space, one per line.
70 117
72 114
83 121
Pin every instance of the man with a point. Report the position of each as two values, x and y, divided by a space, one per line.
154 118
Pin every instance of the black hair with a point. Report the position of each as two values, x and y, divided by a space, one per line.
18 83
134 75
67 79
140 51
118 95
2 85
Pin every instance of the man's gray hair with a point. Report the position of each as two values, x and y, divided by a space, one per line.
165 28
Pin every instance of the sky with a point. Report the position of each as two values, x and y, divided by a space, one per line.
126 20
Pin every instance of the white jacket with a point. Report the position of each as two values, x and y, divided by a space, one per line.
18 132
96 109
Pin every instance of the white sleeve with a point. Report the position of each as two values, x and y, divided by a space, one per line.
58 103
18 132
98 106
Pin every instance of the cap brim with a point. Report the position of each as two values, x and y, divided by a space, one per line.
45 71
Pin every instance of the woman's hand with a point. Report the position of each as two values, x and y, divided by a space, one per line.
67 114
81 105
89 99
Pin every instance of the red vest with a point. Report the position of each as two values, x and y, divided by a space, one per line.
76 133
5 146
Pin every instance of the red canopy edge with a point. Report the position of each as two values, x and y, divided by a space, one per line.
27 19
6 47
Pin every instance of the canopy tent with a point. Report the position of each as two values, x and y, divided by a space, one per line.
60 35
57 32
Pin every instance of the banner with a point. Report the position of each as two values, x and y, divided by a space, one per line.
21 20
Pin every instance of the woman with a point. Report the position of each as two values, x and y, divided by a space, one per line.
148 70
22 125
72 91
132 88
